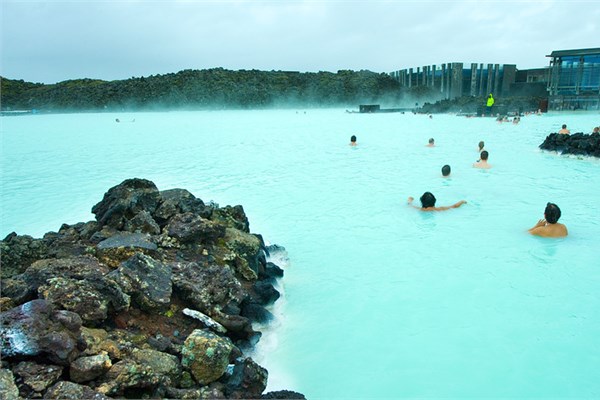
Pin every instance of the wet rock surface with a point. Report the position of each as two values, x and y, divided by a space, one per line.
576 144
95 310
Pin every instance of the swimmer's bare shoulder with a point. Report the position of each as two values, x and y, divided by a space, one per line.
544 229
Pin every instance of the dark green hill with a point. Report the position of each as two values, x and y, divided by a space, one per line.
204 89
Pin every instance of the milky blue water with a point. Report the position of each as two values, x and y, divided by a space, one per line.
381 300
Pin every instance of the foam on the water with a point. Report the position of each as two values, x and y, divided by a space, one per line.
279 377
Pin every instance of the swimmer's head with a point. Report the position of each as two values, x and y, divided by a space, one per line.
353 139
431 141
481 144
484 155
427 200
564 126
446 170
552 213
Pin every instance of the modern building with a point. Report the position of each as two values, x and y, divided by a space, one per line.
574 79
454 80
571 82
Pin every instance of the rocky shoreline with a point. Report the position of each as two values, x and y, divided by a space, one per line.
154 299
576 144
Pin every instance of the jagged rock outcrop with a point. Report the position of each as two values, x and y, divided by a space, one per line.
78 284
123 202
248 379
96 310
37 329
577 144
189 227
179 201
19 252
146 280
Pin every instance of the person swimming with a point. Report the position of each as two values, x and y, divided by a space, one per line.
353 140
564 130
481 145
482 162
428 203
549 226
446 170
431 143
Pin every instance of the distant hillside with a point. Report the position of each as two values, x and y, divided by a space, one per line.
204 89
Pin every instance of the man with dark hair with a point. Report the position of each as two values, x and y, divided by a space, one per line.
446 170
549 226
482 163
428 203
564 130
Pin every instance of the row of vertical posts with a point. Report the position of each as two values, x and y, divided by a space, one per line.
450 81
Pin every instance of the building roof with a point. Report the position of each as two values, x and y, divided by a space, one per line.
577 52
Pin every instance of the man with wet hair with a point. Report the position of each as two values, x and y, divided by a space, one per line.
446 170
428 203
564 130
482 162
431 143
549 226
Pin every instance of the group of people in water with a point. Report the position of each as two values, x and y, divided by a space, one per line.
546 227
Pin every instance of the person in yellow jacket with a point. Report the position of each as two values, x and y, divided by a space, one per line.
489 104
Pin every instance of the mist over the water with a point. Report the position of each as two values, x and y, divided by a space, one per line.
382 300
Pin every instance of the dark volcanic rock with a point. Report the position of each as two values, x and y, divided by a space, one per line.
93 300
265 292
232 217
77 284
19 252
179 201
128 374
256 313
577 144
248 380
72 391
142 223
272 271
36 329
207 287
163 364
18 291
283 394
134 278
147 281
123 202
190 227
36 377
85 369
247 248
120 247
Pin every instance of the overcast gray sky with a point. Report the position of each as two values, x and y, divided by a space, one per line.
51 41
